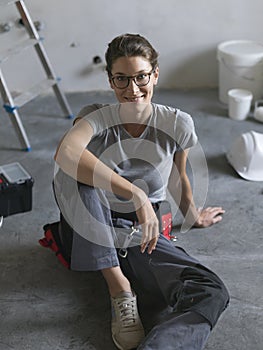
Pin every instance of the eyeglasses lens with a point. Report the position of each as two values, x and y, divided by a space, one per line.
122 82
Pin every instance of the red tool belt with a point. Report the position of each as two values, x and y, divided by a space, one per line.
52 236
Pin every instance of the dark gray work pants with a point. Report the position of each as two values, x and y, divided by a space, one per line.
179 299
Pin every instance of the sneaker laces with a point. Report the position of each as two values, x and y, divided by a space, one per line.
127 312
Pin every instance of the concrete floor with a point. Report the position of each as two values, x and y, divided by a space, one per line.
45 307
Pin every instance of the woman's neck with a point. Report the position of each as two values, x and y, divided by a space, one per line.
134 117
135 130
135 113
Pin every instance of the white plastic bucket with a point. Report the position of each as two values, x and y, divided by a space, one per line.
240 67
239 103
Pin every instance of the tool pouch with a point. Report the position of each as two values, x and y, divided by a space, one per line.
164 214
52 240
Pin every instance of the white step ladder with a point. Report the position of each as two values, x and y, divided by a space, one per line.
11 104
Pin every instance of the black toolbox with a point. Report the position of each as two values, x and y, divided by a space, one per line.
15 189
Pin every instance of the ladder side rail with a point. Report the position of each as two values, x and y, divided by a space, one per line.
13 114
45 61
20 131
5 93
43 56
30 27
26 19
62 101
51 75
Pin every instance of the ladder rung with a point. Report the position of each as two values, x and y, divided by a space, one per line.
36 90
25 44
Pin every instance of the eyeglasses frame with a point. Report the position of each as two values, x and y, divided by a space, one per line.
133 77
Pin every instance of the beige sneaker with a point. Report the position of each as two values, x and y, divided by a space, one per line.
126 327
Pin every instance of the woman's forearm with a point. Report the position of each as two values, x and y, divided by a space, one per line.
180 188
79 163
94 172
181 191
186 201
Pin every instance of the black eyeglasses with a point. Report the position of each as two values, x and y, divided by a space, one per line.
123 81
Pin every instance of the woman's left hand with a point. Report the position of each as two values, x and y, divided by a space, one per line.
209 216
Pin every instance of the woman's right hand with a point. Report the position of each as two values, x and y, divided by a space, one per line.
148 221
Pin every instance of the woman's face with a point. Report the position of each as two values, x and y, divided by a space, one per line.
134 67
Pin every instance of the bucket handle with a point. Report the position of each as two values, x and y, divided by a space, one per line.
242 76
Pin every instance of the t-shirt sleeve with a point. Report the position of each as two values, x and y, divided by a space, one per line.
87 110
185 131
100 117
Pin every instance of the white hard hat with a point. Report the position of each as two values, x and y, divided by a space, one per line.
246 156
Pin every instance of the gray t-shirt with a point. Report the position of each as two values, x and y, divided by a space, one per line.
146 160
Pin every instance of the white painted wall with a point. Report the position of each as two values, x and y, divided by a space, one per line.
185 32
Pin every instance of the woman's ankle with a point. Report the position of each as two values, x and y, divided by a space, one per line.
116 281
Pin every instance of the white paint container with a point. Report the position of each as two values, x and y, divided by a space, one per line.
240 67
239 103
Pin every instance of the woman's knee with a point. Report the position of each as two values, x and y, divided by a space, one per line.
204 292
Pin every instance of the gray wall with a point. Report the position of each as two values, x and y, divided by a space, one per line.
185 32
